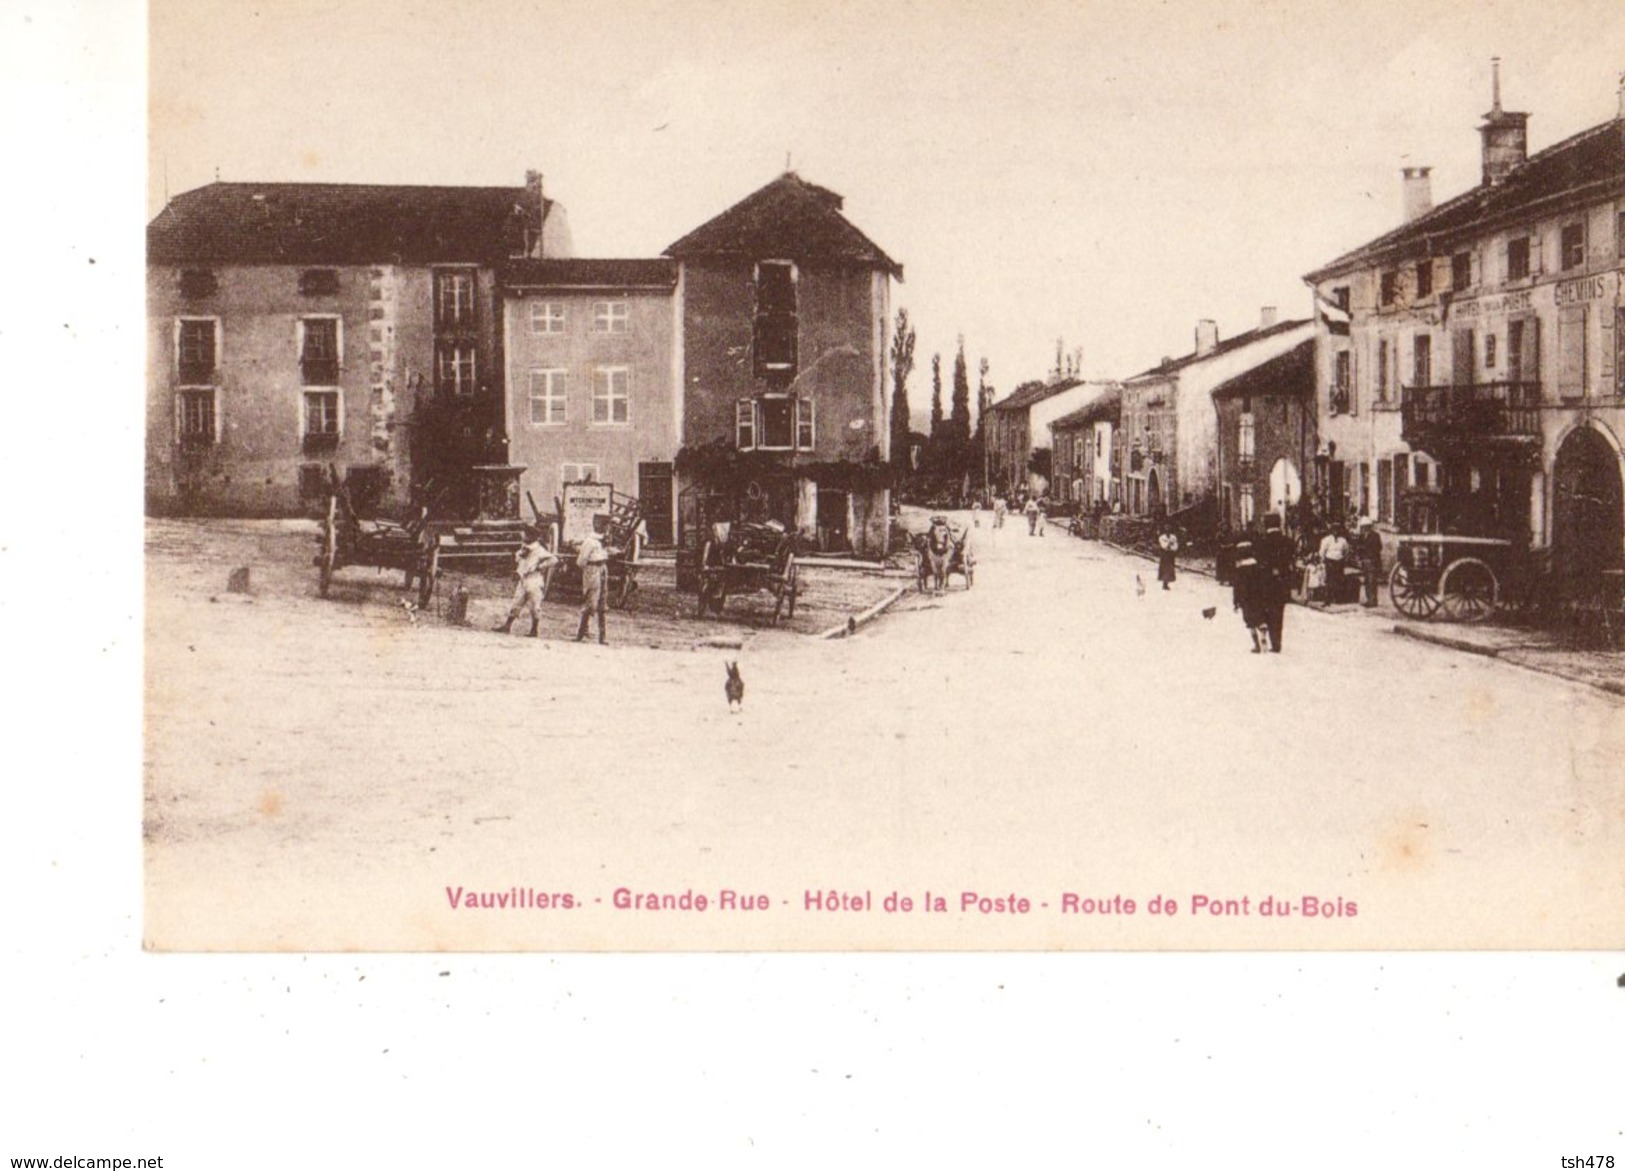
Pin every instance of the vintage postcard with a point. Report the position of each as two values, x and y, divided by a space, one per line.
1044 477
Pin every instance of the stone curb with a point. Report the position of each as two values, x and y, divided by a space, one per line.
864 617
1444 640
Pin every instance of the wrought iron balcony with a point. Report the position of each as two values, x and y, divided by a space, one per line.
1483 410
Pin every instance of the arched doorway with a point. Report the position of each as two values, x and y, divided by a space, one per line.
1588 506
1285 487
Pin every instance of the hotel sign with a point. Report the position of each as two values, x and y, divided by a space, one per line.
1487 306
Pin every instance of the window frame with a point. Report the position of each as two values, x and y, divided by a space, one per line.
187 438
462 351
1424 278
455 279
554 394
1523 271
309 393
1422 348
603 391
1461 271
548 317
180 371
611 316
302 334
1575 244
585 473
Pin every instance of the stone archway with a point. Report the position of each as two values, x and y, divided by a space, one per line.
1588 506
1286 488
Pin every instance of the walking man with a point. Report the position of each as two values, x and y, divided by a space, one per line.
533 563
1031 509
1273 552
593 561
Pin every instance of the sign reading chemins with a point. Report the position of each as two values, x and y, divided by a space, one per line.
1586 288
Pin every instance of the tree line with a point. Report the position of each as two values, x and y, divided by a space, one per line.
946 460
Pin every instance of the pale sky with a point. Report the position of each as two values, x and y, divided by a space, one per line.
1103 172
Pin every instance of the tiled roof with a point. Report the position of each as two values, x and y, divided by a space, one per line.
1033 392
1108 401
1174 365
1290 373
791 219
338 223
590 274
1594 157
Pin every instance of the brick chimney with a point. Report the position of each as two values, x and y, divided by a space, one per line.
1505 134
535 214
1267 317
1207 336
1417 185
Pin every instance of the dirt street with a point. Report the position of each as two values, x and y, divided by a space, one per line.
327 774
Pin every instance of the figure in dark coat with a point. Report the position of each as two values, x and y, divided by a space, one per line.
1273 552
1167 549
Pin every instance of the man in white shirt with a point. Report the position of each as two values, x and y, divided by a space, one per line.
1334 554
593 560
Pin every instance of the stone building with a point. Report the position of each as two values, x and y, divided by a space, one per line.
783 333
1167 438
1474 357
1266 438
593 374
294 327
1081 443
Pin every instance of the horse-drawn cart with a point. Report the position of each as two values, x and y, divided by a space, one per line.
952 546
741 557
1460 576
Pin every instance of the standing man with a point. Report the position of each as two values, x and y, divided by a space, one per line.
593 561
1031 509
1274 553
1368 547
1334 554
533 563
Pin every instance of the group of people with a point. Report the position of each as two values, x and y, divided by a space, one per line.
1328 562
534 561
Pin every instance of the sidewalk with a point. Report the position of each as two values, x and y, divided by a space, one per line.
1535 650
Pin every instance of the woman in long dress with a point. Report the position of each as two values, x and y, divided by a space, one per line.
1167 547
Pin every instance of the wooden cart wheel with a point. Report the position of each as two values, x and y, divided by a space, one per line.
1408 597
1469 590
430 572
327 559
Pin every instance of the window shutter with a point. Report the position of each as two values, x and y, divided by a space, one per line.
1605 356
745 424
1537 257
806 431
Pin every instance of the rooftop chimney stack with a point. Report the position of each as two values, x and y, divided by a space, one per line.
535 207
1417 186
1266 318
1622 96
1207 336
1505 134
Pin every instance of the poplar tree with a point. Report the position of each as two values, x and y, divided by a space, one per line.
902 365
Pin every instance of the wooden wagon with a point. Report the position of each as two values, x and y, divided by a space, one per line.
347 539
741 557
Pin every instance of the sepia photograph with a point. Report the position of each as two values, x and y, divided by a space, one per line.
1121 489
803 583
